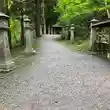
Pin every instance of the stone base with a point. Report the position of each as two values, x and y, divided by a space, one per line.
32 52
7 67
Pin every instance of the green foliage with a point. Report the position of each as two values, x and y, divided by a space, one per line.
69 9
80 12
79 45
15 31
10 3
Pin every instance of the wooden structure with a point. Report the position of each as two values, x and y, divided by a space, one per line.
101 37
57 28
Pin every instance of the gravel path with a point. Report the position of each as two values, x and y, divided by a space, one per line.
58 79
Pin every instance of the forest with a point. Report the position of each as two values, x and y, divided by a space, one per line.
17 9
80 13
64 12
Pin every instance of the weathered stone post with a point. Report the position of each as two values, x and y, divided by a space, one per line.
28 36
72 28
63 33
93 34
6 63
66 32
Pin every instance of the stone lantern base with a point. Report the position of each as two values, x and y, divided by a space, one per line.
28 52
7 67
6 63
29 36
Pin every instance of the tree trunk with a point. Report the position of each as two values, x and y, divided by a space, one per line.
43 16
22 29
37 18
9 32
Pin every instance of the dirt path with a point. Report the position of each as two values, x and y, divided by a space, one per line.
58 79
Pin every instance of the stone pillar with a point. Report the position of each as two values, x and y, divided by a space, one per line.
66 32
63 29
6 63
28 36
72 33
62 33
49 29
92 37
93 34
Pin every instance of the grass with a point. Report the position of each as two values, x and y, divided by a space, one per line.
22 59
78 45
21 49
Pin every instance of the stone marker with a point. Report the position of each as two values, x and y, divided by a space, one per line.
66 32
28 35
63 33
92 35
6 63
72 33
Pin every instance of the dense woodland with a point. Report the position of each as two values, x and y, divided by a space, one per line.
16 9
81 12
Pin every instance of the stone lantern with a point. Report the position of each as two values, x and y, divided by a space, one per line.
94 20
28 36
6 63
72 28
92 34
66 32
